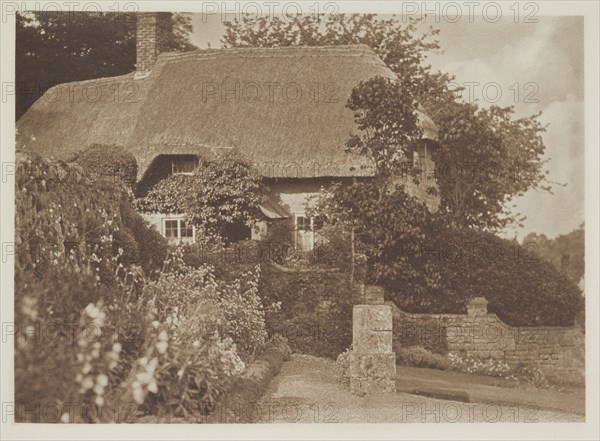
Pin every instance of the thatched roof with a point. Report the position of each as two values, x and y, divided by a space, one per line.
186 106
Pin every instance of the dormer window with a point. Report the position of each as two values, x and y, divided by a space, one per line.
184 165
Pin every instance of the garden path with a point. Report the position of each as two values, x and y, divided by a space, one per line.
306 391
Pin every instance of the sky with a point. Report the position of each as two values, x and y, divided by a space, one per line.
532 66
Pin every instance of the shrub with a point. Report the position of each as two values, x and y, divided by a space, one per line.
342 367
200 328
125 245
454 266
531 375
185 368
108 160
153 248
315 309
63 215
68 348
332 248
425 332
219 197
418 356
320 334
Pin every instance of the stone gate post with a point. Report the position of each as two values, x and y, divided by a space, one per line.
372 360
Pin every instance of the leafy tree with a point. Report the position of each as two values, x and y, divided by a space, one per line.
485 157
60 47
565 252
388 226
385 114
219 196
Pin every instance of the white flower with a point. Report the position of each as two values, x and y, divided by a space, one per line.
86 369
143 377
162 346
163 336
102 380
152 365
155 324
92 311
152 387
98 390
138 396
116 347
87 383
143 361
196 344
99 401
65 418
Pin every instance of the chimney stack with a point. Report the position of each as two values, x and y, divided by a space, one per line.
151 38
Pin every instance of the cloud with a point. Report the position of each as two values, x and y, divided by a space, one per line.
549 79
562 211
542 69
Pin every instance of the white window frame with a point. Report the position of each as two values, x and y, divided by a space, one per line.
311 230
179 220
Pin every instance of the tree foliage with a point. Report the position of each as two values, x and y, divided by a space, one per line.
60 47
486 156
385 114
566 252
388 225
453 265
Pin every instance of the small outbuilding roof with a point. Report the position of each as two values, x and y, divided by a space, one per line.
277 106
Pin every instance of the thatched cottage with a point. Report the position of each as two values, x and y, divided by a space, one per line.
283 109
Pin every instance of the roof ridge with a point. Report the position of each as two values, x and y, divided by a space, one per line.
95 80
224 53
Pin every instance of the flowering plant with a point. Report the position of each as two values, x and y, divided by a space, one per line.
481 366
198 328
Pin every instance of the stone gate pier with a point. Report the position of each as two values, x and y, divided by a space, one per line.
372 360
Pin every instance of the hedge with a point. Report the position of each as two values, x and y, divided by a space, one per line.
316 309
62 210
108 160
455 265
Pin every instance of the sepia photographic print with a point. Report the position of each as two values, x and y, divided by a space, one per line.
299 220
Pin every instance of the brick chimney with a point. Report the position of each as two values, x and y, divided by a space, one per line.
151 38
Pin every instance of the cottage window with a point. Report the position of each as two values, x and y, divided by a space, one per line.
171 228
184 166
178 229
302 223
187 230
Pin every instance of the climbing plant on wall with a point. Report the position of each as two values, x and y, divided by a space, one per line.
220 193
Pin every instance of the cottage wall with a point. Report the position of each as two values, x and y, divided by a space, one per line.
156 220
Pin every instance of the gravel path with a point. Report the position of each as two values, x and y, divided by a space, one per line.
306 391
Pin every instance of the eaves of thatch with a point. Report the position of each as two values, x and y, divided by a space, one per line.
288 111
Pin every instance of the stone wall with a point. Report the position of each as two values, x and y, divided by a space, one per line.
556 351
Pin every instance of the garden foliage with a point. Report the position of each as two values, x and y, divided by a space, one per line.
108 160
221 195
93 329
